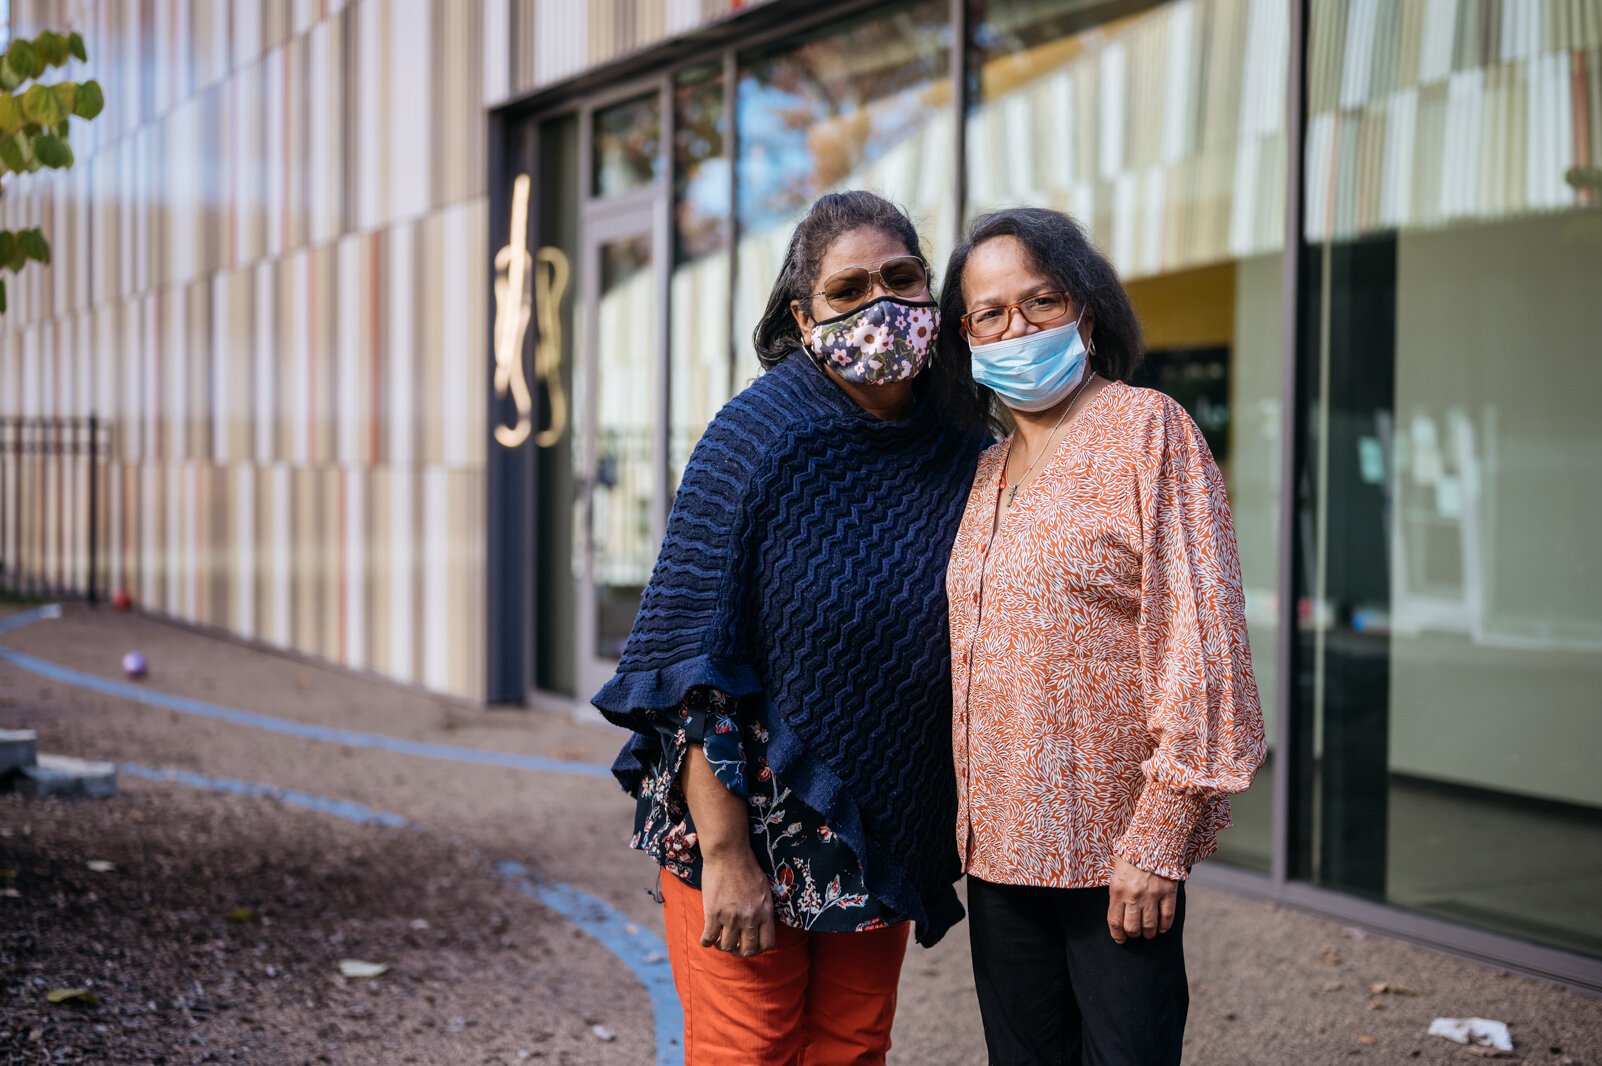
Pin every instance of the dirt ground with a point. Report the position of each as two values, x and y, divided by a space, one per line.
216 935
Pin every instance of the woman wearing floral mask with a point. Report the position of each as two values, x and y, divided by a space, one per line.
787 677
1103 698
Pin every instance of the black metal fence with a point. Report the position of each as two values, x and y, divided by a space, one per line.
52 505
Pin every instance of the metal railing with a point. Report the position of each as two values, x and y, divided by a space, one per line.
52 476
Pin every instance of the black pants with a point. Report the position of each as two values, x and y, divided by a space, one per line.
1055 989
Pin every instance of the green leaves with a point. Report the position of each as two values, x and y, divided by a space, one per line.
52 151
90 102
52 47
34 120
66 94
34 245
34 129
40 106
48 107
24 61
11 153
19 247
29 59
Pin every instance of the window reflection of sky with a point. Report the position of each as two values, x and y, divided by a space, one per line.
812 116
702 173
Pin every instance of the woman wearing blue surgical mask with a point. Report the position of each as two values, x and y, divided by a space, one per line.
788 675
1103 703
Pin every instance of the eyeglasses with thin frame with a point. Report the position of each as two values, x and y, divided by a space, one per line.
1041 309
901 275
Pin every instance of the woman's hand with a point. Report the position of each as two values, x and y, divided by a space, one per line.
735 893
738 902
1139 904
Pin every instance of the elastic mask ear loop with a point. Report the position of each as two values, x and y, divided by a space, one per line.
806 337
806 345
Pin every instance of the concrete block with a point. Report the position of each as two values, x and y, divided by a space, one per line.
18 748
67 778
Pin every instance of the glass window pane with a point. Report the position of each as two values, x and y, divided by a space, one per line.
866 105
701 359
627 151
1453 618
623 541
1175 161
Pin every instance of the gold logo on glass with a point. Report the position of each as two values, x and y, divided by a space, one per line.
527 285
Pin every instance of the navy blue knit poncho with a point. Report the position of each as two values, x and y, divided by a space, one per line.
804 565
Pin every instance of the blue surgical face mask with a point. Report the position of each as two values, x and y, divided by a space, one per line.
1033 372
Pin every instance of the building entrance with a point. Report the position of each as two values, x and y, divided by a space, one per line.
581 485
620 473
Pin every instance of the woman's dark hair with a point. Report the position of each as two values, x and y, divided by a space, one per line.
777 336
1058 249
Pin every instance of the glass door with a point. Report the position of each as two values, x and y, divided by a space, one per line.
620 462
621 475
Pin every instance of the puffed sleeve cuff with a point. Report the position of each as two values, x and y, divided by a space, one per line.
1158 837
706 716
722 744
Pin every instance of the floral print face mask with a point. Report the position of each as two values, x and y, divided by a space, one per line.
883 341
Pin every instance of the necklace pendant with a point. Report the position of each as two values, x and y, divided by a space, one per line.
1012 494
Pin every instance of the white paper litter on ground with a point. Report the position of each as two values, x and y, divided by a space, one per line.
1481 1031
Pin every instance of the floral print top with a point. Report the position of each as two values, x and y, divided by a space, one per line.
1104 705
817 880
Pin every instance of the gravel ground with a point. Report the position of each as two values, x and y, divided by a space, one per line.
218 932
493 974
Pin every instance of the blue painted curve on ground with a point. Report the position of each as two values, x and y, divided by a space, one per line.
351 812
255 720
640 950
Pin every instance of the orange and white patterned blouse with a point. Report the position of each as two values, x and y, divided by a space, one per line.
1103 697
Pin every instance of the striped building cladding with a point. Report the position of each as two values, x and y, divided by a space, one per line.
271 283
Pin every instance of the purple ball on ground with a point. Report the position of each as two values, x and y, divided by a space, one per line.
134 665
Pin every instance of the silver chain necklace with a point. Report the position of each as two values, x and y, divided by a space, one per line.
1012 492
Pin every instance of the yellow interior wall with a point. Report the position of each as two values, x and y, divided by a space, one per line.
1188 309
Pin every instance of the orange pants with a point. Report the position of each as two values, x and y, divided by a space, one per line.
817 999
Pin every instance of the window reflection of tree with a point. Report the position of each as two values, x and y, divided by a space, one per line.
813 114
701 173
